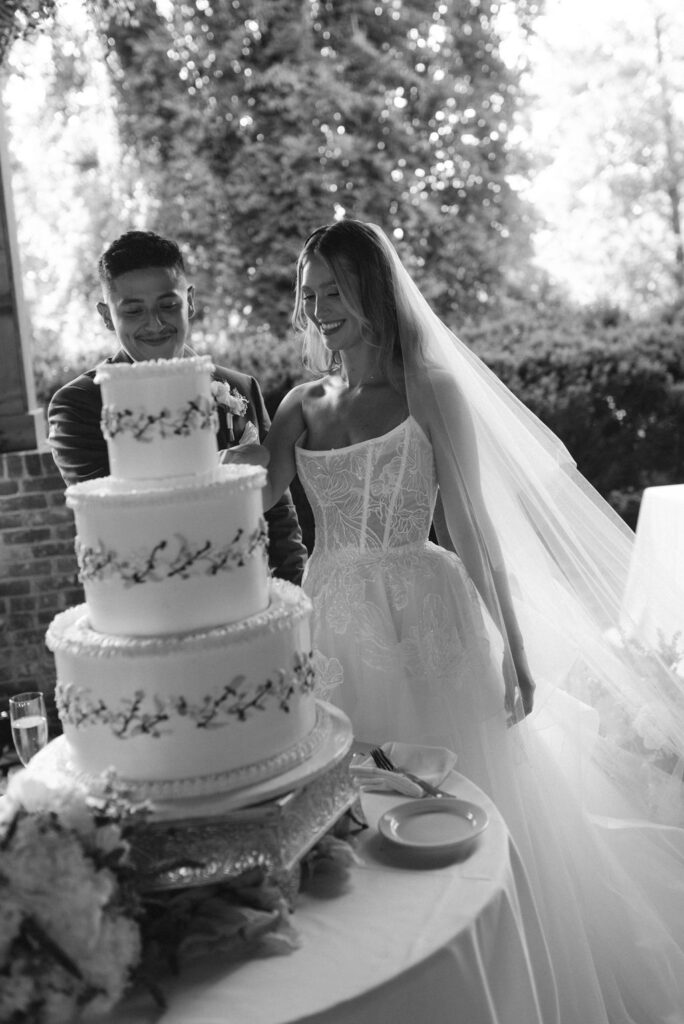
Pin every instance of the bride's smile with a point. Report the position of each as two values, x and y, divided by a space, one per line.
326 309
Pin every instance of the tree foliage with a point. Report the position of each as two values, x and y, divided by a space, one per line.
641 155
611 387
255 122
617 131
19 19
73 185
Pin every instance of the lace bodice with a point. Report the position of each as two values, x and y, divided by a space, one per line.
372 496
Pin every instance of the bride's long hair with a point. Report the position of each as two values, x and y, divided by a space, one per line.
363 275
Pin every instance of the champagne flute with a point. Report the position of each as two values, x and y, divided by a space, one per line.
29 724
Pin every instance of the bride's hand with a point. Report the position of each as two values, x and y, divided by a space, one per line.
527 687
520 703
246 454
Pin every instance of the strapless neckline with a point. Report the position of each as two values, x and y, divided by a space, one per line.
357 444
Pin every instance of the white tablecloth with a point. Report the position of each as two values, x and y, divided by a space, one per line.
654 597
405 944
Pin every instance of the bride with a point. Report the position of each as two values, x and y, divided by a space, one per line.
507 642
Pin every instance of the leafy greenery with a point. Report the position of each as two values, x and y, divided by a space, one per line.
242 126
612 388
612 150
19 19
256 122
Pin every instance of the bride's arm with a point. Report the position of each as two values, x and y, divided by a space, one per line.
287 427
276 453
461 518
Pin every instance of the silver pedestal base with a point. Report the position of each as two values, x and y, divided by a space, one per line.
273 836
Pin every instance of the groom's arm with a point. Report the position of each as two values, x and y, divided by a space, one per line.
75 437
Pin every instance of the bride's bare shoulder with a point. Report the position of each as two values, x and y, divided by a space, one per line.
441 381
302 401
436 388
438 403
301 393
319 387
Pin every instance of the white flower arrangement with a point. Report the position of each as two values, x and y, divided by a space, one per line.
78 929
69 935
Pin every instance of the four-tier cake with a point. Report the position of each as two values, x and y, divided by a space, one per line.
188 670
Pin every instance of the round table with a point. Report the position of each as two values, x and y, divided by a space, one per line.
408 942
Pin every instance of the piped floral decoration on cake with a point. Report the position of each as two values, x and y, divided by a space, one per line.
144 426
150 715
172 557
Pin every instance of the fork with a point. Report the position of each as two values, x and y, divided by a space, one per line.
386 764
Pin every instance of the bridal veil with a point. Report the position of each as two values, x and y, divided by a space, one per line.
514 501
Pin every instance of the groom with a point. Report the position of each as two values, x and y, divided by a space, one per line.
148 304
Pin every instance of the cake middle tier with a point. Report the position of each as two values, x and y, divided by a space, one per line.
172 556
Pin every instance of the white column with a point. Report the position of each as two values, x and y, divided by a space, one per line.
22 423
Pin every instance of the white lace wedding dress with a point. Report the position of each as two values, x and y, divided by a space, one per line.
406 648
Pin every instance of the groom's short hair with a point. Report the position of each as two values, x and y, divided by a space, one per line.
138 250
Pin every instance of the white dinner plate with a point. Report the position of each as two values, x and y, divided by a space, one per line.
442 825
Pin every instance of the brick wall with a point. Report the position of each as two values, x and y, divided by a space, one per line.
37 571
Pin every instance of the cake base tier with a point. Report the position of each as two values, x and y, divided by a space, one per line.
270 825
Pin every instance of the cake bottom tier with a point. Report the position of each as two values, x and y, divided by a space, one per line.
194 713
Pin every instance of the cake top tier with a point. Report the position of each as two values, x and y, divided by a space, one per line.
154 370
159 418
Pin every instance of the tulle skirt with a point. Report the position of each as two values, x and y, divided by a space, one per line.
406 648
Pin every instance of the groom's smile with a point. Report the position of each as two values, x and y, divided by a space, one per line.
150 310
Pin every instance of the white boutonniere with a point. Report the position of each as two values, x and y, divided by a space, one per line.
233 402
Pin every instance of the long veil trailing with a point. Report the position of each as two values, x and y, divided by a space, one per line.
591 782
514 501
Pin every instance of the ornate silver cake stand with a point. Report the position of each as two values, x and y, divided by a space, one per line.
273 836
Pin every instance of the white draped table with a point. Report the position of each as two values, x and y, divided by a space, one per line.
654 597
406 944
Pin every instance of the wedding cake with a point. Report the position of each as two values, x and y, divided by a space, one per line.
188 669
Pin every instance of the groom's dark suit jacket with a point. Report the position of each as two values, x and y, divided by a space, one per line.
80 451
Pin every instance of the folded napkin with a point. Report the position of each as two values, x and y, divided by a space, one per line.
431 763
